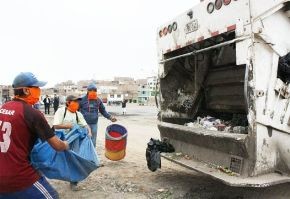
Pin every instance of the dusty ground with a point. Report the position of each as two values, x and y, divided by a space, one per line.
130 178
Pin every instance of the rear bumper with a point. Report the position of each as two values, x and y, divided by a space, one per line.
223 156
230 179
179 136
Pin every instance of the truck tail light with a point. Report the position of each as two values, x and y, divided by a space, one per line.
165 30
174 26
210 7
160 33
169 28
227 2
218 4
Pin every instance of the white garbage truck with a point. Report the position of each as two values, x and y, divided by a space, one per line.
224 74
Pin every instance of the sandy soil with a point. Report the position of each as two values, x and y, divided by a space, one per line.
130 178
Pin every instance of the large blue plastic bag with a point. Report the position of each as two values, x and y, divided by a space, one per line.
71 165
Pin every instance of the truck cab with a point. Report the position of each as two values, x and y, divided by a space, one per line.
224 90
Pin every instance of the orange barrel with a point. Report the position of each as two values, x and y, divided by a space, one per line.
116 141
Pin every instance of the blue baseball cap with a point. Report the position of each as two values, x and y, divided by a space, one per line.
27 79
92 86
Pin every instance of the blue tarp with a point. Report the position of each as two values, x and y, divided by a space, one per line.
71 165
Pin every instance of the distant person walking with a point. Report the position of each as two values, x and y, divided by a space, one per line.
46 102
55 102
90 105
124 102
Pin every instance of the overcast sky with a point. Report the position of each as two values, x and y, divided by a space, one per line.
61 40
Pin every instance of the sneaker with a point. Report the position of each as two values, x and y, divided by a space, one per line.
101 165
74 187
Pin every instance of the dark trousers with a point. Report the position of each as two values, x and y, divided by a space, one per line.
46 108
55 108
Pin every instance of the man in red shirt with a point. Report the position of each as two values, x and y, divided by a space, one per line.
20 126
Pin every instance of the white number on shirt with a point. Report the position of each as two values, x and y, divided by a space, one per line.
6 128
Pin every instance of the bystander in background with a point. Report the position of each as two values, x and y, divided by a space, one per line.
46 102
55 102
124 102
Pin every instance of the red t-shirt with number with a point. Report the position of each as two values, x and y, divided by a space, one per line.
20 126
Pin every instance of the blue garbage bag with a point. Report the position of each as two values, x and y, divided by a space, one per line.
71 165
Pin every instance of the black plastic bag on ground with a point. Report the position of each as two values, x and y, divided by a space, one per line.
153 159
154 148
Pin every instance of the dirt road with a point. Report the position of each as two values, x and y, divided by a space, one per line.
130 178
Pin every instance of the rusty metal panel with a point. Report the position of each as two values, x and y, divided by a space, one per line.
225 89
